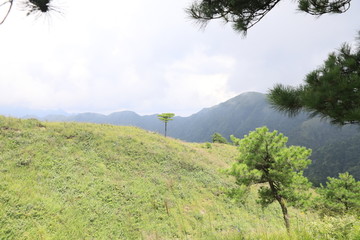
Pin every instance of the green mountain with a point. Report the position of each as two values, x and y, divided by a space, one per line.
334 150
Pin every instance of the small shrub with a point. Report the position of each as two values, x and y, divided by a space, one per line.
333 228
218 138
208 145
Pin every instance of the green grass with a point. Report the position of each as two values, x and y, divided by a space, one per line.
88 181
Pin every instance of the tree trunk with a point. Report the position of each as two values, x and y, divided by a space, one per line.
284 212
282 203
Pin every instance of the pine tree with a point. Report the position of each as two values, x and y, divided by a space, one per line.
265 158
340 195
331 91
244 14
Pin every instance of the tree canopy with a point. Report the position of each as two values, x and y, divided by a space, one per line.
244 14
331 91
218 138
341 195
166 117
265 158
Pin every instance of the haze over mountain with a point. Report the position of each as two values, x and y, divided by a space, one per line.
334 148
22 112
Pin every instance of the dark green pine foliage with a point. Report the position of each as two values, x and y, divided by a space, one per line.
319 7
32 7
340 195
244 14
331 91
38 6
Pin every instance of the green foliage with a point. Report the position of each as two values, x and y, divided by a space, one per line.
235 141
208 145
245 14
265 158
335 149
166 117
218 138
240 193
340 195
344 228
319 7
91 181
97 181
332 91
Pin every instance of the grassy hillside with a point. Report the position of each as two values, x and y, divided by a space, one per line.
245 113
88 181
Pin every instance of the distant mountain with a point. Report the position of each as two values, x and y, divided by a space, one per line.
21 112
125 118
335 149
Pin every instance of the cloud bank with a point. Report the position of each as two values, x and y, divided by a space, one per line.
149 57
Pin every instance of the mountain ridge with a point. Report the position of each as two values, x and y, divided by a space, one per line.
244 113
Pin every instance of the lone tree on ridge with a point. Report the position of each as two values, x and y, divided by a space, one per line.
166 117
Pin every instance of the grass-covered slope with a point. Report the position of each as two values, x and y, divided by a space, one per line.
87 181
245 113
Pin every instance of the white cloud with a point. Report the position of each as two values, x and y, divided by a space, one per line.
146 56
198 81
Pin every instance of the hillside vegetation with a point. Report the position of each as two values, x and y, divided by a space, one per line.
92 181
244 113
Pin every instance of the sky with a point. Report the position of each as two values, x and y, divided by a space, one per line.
150 57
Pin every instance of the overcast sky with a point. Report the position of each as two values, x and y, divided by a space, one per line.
149 57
